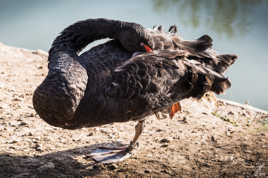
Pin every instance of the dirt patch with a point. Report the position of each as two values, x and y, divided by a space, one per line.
209 138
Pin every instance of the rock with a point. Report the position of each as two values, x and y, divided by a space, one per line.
17 99
164 140
212 138
159 130
22 123
164 146
90 134
38 147
147 171
112 166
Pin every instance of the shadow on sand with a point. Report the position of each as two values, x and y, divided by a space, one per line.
68 163
247 161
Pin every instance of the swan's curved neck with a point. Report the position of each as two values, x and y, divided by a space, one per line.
77 36
74 38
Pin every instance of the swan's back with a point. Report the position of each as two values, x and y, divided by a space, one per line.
106 84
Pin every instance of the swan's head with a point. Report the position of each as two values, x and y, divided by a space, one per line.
134 38
138 39
135 43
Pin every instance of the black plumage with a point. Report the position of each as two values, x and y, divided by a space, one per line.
107 84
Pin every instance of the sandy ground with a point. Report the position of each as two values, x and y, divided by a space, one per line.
209 138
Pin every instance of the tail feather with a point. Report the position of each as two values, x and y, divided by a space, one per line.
220 85
203 43
201 50
205 80
224 61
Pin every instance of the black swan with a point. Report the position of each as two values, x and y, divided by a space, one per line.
137 73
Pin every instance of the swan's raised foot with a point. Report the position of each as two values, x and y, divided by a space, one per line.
174 109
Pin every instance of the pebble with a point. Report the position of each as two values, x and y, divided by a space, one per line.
17 99
38 147
164 140
13 141
23 124
164 146
159 130
147 171
12 147
90 134
213 139
112 166
29 115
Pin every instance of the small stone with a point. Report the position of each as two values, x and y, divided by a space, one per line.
164 140
230 113
184 120
164 146
22 123
21 95
17 99
147 171
38 147
30 115
13 141
112 166
213 139
229 131
90 134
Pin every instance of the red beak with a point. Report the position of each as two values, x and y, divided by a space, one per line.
147 48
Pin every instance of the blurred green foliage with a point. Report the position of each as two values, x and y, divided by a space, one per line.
230 17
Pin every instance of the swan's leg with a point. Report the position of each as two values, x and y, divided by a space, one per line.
109 155
138 130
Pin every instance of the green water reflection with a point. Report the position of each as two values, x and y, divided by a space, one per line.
229 17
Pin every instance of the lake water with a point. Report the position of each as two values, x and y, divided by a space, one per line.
237 26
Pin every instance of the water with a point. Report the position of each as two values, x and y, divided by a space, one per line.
237 26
